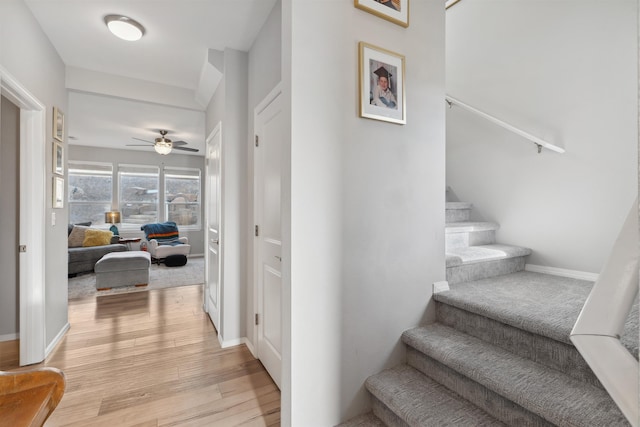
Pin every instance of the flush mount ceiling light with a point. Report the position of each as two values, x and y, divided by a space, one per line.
124 27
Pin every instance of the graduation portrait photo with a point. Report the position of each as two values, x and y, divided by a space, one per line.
396 11
381 75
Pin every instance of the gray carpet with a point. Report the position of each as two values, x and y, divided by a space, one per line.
160 276
539 303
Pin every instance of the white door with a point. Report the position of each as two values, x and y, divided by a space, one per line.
213 292
269 124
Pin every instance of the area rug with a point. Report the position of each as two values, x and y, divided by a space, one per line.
160 276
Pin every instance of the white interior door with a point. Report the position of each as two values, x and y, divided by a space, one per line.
213 285
269 125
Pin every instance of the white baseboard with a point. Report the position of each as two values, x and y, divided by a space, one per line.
195 256
56 340
250 347
9 337
573 274
237 341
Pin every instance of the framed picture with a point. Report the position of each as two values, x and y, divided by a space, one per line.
58 192
381 74
58 158
58 124
396 11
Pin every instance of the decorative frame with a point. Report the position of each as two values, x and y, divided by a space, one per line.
374 61
58 158
58 124
58 192
396 11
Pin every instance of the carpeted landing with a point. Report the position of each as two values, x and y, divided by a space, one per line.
498 354
160 276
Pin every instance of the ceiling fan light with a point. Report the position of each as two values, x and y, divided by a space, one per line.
163 149
124 27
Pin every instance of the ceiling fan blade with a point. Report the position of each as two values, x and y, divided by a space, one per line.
143 140
194 150
137 145
179 142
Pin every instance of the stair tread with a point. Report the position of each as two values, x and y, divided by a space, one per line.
458 205
553 395
364 420
539 303
470 226
420 401
481 253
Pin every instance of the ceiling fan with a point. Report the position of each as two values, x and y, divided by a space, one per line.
164 145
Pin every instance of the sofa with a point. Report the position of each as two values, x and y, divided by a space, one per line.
83 258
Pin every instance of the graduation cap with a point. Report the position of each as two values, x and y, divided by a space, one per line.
382 72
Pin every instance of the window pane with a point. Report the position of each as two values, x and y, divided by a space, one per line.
182 196
138 195
90 191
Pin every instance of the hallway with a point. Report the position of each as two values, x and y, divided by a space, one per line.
153 359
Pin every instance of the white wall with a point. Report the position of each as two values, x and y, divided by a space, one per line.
229 106
565 71
27 54
366 198
93 154
9 188
264 75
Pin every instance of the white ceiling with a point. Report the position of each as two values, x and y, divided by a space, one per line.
172 52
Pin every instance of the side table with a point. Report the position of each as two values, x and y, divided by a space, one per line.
128 241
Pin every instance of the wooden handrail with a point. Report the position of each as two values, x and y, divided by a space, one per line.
450 3
27 398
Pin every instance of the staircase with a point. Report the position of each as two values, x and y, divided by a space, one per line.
499 352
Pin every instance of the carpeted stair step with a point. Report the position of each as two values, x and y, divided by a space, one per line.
514 389
479 262
537 303
468 233
364 420
402 396
457 211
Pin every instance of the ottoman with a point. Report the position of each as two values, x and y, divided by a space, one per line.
122 269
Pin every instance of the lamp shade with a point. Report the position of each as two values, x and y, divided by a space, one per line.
163 148
112 217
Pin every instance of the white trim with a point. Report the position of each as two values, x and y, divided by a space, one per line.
32 207
9 337
601 322
250 347
538 141
52 345
230 343
573 274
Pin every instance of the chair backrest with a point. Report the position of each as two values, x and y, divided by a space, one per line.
164 232
27 398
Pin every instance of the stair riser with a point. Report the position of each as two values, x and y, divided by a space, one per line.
472 238
483 270
387 416
546 351
457 215
494 404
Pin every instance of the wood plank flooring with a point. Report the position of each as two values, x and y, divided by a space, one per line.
153 359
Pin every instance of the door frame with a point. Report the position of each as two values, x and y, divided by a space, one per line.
275 92
32 218
217 129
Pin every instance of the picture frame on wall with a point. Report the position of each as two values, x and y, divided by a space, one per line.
58 124
58 192
381 81
58 158
396 11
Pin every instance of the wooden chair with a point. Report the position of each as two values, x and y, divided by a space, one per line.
27 398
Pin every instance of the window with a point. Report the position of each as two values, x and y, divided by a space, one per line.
182 197
90 191
138 194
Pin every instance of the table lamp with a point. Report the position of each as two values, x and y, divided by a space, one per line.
113 218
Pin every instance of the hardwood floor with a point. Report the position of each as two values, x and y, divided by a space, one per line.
153 359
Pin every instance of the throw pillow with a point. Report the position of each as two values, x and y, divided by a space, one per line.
93 237
70 227
76 237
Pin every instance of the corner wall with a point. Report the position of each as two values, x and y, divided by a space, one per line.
27 54
366 197
566 72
